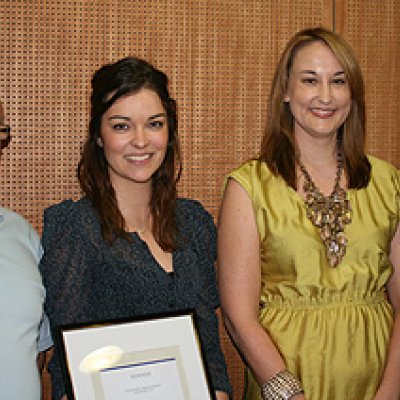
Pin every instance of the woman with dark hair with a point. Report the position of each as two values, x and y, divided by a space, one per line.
308 240
130 247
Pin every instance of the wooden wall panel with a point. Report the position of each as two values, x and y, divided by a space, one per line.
220 56
373 30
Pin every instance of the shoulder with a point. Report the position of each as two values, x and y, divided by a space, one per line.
191 209
17 235
14 224
382 170
192 215
70 211
379 165
193 219
69 207
254 176
13 220
250 168
70 216
384 182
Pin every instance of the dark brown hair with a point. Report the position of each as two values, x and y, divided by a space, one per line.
278 148
109 83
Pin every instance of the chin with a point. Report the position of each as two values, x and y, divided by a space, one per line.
322 133
143 180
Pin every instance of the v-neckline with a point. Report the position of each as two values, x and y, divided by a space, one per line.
153 258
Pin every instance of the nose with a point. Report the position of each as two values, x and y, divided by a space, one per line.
139 138
325 94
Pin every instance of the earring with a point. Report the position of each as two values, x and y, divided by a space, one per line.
99 142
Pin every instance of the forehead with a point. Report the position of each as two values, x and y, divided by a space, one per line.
316 56
142 100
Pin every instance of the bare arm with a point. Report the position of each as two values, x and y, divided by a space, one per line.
41 360
390 384
239 278
221 395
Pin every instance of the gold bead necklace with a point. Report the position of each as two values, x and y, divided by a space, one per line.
328 213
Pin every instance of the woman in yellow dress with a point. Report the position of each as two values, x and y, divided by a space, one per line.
309 245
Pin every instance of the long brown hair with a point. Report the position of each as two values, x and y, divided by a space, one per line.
278 148
109 83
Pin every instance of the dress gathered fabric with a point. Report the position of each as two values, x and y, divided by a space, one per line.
332 326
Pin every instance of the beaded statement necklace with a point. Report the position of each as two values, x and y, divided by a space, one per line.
328 213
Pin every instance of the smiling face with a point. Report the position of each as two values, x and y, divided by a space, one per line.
134 137
318 92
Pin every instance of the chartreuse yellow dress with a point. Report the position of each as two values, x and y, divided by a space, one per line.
331 325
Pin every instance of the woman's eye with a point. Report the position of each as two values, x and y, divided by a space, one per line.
309 81
156 124
339 81
120 126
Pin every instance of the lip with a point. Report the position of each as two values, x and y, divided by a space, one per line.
322 112
138 157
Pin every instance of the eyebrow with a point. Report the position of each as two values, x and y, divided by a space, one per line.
125 118
310 71
119 117
158 115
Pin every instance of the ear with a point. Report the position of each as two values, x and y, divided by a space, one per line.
99 142
286 99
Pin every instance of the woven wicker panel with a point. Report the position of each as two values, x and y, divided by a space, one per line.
219 54
374 32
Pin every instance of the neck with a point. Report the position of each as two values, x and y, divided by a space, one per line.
309 184
133 203
312 151
320 165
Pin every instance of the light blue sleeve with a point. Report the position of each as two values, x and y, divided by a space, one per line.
45 340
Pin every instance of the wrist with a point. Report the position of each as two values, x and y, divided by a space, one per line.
282 386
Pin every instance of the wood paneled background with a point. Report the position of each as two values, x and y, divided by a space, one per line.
220 56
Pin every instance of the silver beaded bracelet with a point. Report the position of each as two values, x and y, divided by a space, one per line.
281 386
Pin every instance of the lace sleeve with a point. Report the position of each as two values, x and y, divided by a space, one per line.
207 319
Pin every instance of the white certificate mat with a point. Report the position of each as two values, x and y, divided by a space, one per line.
153 380
152 359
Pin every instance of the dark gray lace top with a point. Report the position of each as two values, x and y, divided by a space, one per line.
88 280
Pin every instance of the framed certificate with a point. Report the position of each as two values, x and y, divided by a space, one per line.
153 358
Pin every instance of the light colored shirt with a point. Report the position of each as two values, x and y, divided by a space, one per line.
21 308
45 341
